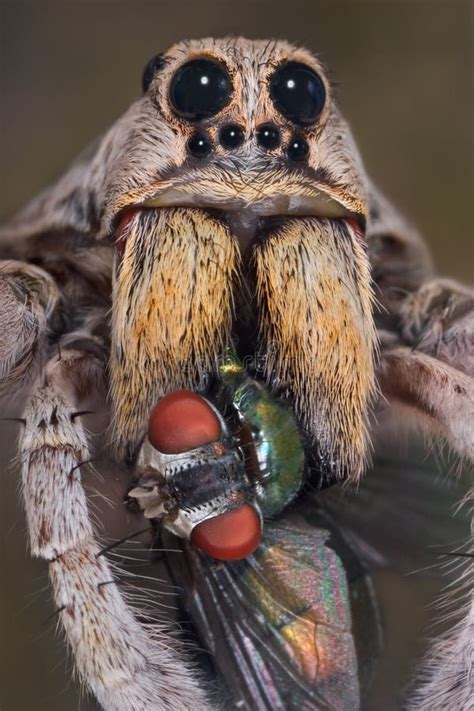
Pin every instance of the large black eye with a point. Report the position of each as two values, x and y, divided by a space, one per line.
200 89
297 92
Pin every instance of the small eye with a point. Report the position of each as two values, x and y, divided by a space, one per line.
200 89
297 92
231 136
199 145
297 148
268 136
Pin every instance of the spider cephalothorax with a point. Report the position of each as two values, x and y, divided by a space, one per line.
227 211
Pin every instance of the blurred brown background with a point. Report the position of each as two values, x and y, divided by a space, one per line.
404 71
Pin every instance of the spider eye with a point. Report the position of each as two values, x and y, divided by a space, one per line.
297 92
155 64
200 89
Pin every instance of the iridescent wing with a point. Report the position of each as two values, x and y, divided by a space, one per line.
403 515
278 624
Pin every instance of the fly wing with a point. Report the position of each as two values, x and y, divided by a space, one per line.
402 515
278 624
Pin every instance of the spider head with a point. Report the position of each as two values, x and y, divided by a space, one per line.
249 128
237 201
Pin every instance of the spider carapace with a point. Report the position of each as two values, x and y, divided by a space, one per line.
219 273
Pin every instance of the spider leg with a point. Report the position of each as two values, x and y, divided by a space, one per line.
447 677
426 371
442 400
127 665
28 299
426 328
439 396
438 319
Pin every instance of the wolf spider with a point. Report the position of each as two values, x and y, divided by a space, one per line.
229 204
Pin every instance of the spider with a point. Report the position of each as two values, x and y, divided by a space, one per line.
227 208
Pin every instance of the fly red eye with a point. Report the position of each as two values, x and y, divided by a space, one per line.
181 421
231 536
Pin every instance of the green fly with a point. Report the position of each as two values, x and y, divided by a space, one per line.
278 621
